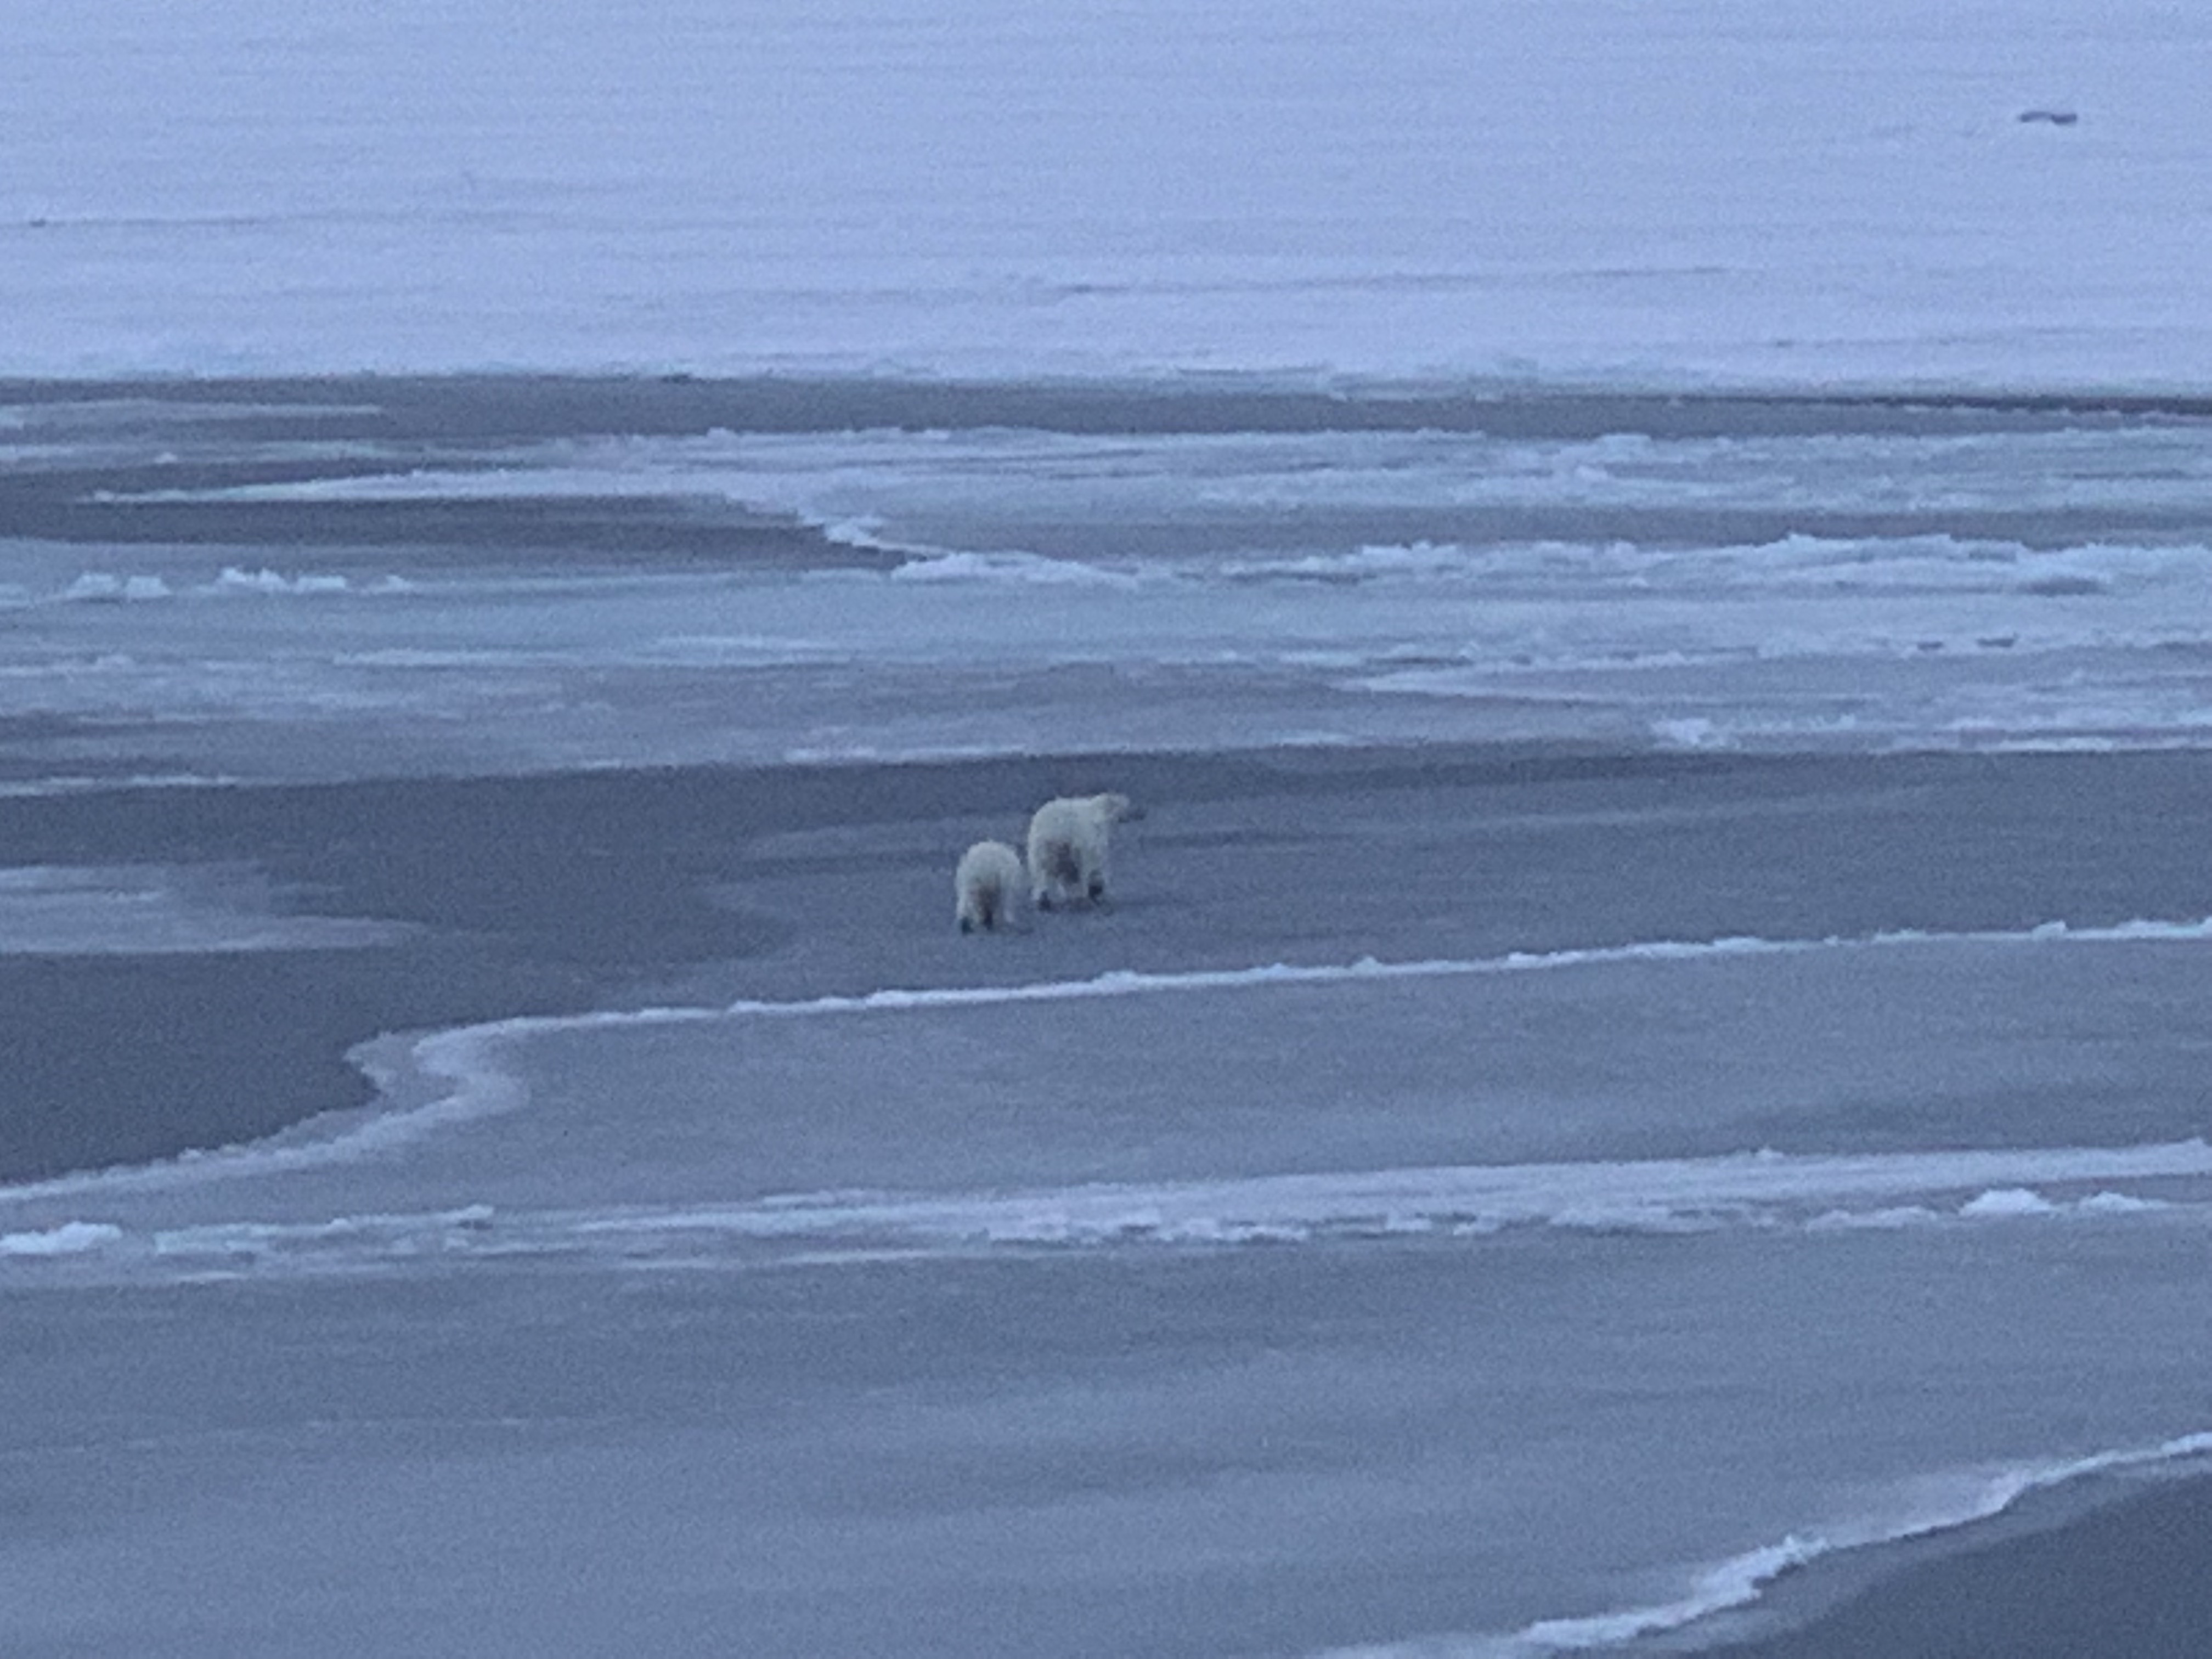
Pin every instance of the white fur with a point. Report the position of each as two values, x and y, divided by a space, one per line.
1068 845
989 884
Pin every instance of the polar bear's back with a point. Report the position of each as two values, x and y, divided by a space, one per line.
986 884
1067 845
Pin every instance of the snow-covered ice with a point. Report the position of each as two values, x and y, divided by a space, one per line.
1651 557
1780 193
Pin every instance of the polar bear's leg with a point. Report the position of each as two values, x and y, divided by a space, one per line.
1055 871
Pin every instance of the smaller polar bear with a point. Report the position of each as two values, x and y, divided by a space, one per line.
1068 841
988 884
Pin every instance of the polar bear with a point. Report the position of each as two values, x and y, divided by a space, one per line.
1068 841
987 885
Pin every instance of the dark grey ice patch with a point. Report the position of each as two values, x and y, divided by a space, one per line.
2064 587
146 909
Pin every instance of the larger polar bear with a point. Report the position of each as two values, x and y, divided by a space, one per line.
1068 841
987 886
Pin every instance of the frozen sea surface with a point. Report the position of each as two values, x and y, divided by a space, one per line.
1653 1030
1491 1306
364 577
1655 192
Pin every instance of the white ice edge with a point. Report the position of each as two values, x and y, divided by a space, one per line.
1641 1195
1135 982
1740 1580
1760 1191
454 1076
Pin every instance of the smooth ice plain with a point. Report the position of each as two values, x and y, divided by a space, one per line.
1649 560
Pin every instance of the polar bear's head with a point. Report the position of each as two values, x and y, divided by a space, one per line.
1115 808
